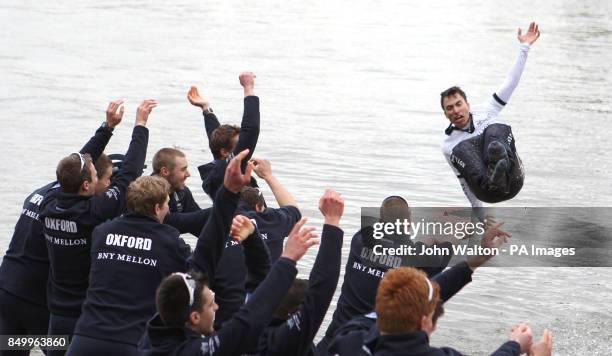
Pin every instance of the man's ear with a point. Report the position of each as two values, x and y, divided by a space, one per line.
164 172
259 207
224 152
426 324
158 209
86 186
194 318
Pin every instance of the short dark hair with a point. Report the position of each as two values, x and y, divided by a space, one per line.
165 158
394 208
250 197
102 165
438 312
222 138
450 92
172 298
70 174
292 300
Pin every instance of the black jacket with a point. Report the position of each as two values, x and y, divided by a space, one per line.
241 268
361 337
294 336
182 201
212 173
25 268
242 330
69 220
274 225
361 277
130 256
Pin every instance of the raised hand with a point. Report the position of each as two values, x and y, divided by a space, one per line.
241 228
143 111
196 100
234 180
489 238
113 117
494 237
331 206
299 241
543 347
247 80
532 34
521 333
262 167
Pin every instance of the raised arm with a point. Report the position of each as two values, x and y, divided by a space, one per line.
210 244
256 253
112 202
502 95
210 119
249 128
192 222
263 169
248 323
96 144
299 331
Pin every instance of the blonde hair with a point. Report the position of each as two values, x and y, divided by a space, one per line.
145 192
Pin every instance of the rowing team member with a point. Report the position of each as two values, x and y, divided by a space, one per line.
480 151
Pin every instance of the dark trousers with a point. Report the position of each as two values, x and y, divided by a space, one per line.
20 317
60 325
83 345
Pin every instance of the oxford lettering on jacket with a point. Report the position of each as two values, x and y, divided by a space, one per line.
61 225
139 243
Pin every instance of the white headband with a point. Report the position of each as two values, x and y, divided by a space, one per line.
189 283
81 158
430 295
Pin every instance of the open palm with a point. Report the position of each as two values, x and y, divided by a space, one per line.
531 35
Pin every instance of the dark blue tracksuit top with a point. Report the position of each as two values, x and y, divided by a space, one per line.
68 221
274 225
294 335
25 267
240 331
130 255
361 337
212 173
361 278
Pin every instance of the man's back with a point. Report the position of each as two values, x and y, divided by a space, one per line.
27 254
274 226
129 257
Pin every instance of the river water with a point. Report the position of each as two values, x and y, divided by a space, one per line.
349 100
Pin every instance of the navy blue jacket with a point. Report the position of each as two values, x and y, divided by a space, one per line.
274 225
130 255
241 268
27 258
69 220
361 337
189 223
362 274
212 173
181 201
451 281
294 336
242 330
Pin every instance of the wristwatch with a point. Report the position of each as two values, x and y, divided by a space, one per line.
106 126
207 111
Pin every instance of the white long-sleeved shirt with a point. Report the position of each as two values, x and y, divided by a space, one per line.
484 115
